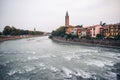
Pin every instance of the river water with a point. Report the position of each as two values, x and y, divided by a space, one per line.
40 58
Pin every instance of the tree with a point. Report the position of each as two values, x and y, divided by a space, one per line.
99 36
117 37
7 30
59 32
13 31
103 24
80 26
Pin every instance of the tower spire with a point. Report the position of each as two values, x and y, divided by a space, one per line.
67 19
67 13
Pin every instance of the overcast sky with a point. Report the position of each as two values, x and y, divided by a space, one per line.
47 15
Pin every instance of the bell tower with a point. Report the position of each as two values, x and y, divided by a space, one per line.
67 19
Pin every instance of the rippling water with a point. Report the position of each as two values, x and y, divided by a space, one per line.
42 59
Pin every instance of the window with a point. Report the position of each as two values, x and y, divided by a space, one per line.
111 30
116 33
111 33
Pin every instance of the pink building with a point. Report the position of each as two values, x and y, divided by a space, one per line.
95 30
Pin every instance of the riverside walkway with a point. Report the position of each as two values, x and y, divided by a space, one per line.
5 38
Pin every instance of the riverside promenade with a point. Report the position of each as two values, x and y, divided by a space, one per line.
95 43
5 38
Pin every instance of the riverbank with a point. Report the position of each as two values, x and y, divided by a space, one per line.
99 43
6 38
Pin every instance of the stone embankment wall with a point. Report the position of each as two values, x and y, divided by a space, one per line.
94 42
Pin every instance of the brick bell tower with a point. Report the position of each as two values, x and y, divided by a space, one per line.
67 19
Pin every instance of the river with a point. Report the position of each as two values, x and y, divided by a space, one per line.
40 58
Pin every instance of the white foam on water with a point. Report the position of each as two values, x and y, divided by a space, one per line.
83 74
67 72
43 68
45 56
12 72
99 63
28 68
109 63
7 62
32 52
32 57
70 57
110 76
117 56
54 69
42 64
88 50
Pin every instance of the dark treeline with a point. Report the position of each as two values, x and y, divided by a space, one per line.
14 31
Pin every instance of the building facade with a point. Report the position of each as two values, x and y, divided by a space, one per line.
105 31
111 30
95 30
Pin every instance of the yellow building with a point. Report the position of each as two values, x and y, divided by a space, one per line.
114 30
111 30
